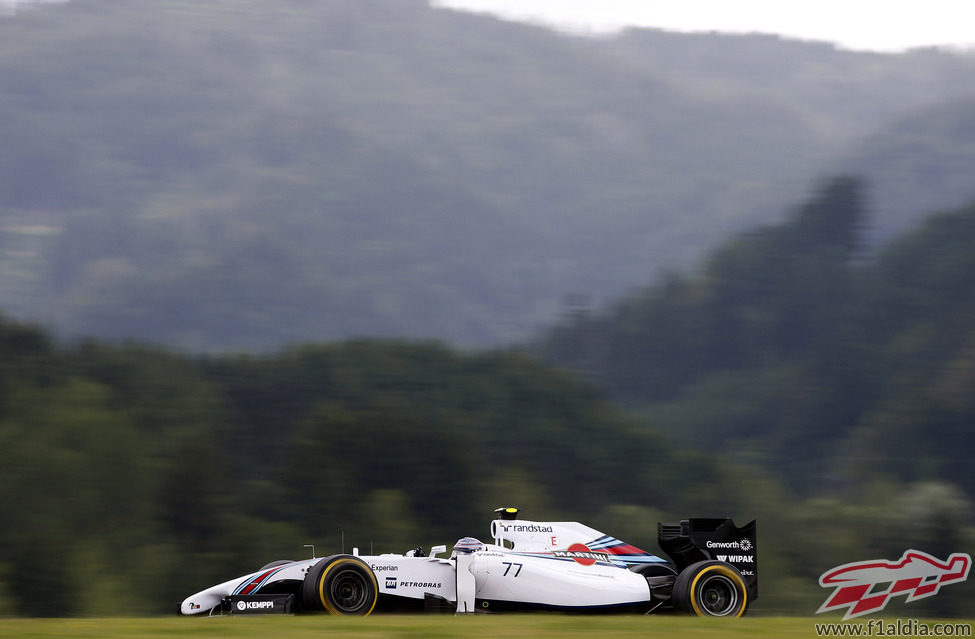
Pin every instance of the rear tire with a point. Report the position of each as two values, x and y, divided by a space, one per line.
711 589
340 585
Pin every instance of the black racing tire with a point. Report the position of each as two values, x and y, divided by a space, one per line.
711 589
340 585
275 564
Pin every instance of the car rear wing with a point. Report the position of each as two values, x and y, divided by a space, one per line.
692 540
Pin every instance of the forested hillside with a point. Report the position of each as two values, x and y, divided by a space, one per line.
146 475
792 380
793 349
243 174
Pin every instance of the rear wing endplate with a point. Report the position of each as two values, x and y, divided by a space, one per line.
692 540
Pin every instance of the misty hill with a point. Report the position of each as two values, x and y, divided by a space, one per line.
920 162
243 174
791 349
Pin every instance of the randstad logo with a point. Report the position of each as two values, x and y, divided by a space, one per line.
916 574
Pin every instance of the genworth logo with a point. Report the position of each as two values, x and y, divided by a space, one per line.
865 587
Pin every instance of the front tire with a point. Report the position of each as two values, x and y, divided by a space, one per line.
711 589
340 585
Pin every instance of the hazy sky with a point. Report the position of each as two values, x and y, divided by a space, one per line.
9 7
879 25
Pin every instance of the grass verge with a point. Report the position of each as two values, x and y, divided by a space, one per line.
432 627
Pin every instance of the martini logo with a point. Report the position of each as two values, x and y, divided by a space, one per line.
581 554
865 587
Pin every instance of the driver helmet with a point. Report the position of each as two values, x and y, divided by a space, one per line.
468 545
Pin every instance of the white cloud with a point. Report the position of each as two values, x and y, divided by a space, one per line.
9 7
856 24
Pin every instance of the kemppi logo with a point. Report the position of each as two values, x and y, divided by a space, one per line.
916 574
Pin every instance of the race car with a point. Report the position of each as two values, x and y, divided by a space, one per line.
528 565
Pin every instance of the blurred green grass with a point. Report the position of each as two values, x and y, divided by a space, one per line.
481 626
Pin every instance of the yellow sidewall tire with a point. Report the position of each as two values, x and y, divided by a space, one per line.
357 585
338 564
725 571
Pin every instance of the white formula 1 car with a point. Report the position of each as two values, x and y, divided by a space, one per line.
531 565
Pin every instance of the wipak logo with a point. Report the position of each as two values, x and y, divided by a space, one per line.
864 587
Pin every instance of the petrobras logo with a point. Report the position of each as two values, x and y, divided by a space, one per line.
420 584
390 583
916 574
531 528
254 605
